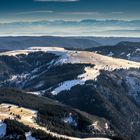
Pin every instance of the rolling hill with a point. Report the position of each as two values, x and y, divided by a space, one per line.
124 50
48 116
102 86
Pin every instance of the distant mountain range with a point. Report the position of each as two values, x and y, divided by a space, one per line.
73 23
73 28
14 43
78 43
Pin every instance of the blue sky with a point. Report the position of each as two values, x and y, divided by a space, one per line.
70 17
13 10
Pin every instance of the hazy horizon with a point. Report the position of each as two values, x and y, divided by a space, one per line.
105 18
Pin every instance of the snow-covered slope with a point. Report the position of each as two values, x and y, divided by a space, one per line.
54 50
47 113
3 127
97 84
99 63
78 57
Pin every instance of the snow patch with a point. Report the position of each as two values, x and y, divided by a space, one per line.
3 128
90 74
40 84
67 85
38 93
13 78
138 50
106 126
134 87
129 56
122 53
96 126
70 120
28 136
110 54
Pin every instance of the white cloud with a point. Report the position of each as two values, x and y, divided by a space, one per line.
34 12
57 0
82 13
117 12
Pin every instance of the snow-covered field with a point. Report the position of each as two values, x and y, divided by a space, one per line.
78 57
84 57
54 50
